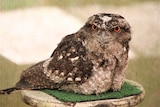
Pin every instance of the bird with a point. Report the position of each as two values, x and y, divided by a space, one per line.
92 60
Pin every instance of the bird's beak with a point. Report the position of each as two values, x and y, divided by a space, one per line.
105 36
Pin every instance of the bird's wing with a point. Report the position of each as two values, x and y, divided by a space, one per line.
69 62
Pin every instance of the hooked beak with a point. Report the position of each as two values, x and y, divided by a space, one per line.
105 36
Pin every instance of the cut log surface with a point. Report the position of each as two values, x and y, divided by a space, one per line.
41 99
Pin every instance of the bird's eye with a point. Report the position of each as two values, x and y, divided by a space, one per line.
94 27
117 29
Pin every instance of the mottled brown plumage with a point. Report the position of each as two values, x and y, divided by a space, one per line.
90 61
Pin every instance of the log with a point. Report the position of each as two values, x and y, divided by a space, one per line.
41 99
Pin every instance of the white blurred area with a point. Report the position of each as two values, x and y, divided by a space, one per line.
30 35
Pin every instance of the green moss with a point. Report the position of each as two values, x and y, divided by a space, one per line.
127 90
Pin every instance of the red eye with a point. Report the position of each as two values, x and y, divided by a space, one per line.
94 27
117 29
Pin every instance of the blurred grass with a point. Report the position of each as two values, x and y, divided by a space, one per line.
9 75
145 70
14 4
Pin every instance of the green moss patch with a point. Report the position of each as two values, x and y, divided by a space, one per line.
126 90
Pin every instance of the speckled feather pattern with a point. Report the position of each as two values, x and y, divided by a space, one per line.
90 61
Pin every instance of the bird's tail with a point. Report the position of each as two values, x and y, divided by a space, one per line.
8 90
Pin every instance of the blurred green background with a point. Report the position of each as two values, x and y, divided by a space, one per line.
144 68
13 4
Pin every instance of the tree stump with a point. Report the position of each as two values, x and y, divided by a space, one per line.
41 99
